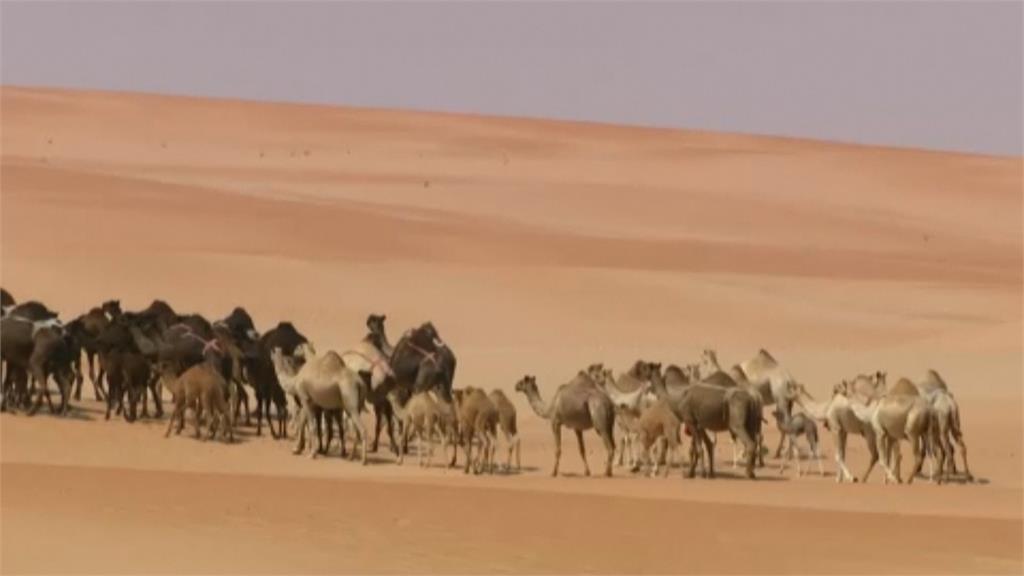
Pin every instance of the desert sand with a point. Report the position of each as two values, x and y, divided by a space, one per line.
535 247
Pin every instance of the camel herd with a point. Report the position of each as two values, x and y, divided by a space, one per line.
641 416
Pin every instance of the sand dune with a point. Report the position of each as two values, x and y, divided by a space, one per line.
537 247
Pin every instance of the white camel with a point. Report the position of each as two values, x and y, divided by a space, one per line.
326 382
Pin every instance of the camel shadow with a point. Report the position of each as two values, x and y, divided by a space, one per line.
740 476
73 413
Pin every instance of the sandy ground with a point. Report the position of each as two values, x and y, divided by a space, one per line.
535 247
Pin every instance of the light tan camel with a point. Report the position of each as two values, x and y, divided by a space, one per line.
420 417
775 385
848 412
478 418
946 427
901 414
203 389
657 433
578 405
326 382
508 424
631 401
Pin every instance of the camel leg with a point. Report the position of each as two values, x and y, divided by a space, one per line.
178 408
583 452
963 455
377 425
918 445
873 445
155 388
709 453
815 451
898 452
556 432
97 383
945 449
77 387
782 439
405 445
467 441
259 414
91 359
353 414
300 429
885 451
750 447
510 441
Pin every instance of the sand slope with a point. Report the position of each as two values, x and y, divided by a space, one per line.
535 247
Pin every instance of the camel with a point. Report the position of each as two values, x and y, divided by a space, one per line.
631 401
715 405
6 301
773 383
326 382
477 418
40 349
240 324
901 415
368 360
420 416
793 425
507 422
87 328
422 361
849 412
657 433
580 406
946 426
202 388
375 324
33 311
130 374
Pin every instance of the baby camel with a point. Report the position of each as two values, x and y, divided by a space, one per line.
477 417
507 421
793 426
657 431
419 416
202 388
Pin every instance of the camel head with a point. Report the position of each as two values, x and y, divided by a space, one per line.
653 369
112 308
527 385
878 379
375 323
640 370
595 371
841 388
305 350
708 362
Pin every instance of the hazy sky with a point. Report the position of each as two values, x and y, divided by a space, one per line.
945 75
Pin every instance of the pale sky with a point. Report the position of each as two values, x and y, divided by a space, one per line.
940 75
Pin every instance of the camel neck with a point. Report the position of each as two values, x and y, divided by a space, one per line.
533 396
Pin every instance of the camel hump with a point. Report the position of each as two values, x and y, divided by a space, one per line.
720 379
904 387
764 354
934 378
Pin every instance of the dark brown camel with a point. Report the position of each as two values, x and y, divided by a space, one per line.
6 301
41 350
421 359
32 310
